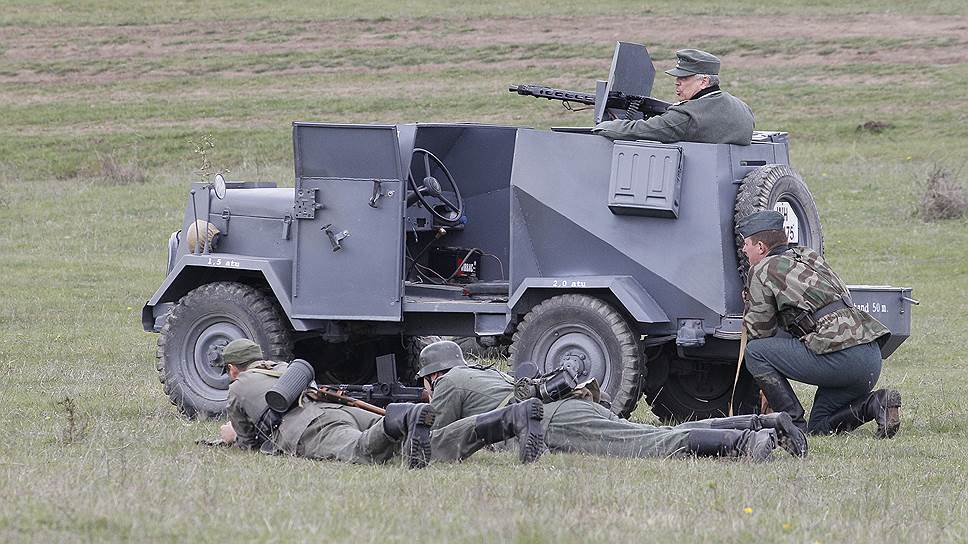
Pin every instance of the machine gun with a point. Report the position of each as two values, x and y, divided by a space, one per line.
625 95
633 106
386 390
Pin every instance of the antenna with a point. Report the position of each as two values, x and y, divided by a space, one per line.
195 224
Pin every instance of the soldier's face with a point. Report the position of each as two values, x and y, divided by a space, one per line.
754 251
688 86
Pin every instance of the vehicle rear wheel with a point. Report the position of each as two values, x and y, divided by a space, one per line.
196 330
678 391
593 330
779 187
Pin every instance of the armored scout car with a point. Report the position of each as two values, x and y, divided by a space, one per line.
557 242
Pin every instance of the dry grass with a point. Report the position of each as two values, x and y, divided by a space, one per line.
943 197
116 171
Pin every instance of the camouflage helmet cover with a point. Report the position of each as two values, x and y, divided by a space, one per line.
440 356
240 352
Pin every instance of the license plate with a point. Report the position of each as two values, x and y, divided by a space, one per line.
791 224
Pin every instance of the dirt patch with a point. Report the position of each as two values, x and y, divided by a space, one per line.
107 54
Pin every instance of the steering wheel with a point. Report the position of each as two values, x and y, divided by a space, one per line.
429 189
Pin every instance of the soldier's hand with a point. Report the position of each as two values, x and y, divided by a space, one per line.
227 433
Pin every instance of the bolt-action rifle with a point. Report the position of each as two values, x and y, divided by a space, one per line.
325 393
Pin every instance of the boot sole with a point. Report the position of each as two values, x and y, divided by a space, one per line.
532 446
790 437
418 439
891 422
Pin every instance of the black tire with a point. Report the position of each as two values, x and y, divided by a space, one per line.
678 391
587 325
771 186
199 325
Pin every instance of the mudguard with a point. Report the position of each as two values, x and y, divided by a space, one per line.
629 292
193 270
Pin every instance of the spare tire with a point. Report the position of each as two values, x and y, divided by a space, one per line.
779 187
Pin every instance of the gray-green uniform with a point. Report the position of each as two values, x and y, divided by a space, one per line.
710 116
574 424
832 344
571 425
321 430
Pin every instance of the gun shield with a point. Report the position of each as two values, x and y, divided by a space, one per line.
293 381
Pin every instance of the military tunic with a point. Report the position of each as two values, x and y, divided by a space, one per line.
715 118
571 425
321 430
783 285
840 356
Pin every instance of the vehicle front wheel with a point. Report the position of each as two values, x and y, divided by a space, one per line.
199 326
591 329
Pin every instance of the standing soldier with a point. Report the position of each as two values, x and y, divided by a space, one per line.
833 345
322 430
578 424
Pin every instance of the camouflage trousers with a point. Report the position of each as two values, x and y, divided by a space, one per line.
841 376
357 436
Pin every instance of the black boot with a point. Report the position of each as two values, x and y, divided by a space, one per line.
779 393
752 445
882 406
411 423
521 420
788 435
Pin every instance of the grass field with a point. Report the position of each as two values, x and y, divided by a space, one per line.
98 101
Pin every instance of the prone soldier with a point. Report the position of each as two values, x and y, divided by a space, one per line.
575 423
831 344
323 430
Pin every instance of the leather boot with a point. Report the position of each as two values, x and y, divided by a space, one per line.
753 445
882 406
521 420
411 424
781 397
788 435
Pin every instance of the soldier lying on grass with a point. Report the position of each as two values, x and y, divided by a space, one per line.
323 430
576 423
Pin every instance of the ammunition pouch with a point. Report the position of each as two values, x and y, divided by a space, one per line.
805 322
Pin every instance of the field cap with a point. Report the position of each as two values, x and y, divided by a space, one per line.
239 352
758 222
439 356
690 62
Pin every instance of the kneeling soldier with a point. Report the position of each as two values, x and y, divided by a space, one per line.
576 424
834 345
322 430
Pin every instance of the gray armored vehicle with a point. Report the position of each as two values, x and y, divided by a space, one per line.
558 242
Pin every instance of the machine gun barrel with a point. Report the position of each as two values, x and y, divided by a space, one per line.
540 91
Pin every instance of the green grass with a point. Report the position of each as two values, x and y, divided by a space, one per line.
81 253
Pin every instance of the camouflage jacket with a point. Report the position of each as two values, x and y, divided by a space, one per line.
715 118
785 283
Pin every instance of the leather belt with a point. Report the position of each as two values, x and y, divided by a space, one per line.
806 321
